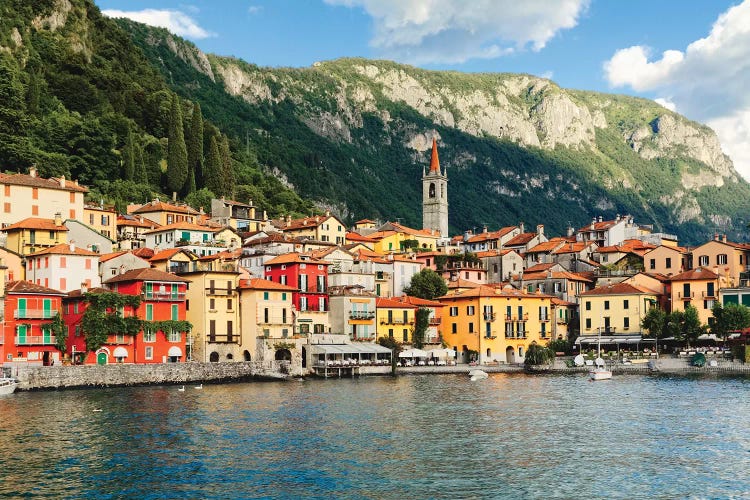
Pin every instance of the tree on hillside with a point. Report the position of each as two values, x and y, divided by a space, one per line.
129 157
213 179
728 319
195 149
426 284
177 169
141 174
227 168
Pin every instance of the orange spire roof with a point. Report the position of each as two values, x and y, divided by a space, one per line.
435 161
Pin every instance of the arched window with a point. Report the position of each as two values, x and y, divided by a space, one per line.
432 190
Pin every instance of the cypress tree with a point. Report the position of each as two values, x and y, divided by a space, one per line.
128 157
189 183
195 145
227 169
212 172
141 174
177 168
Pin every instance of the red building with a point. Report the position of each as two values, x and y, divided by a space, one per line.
310 276
162 299
27 330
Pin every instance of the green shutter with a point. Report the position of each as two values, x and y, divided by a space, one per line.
728 299
21 308
21 334
175 312
149 312
745 299
47 305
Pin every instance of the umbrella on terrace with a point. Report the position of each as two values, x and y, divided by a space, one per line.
413 353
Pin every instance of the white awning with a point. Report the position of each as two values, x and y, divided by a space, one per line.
353 348
120 352
616 339
413 353
174 351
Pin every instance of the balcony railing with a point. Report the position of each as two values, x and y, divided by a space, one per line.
34 314
515 317
562 321
707 295
544 317
518 335
36 340
393 321
490 316
434 321
164 296
362 314
220 291
682 295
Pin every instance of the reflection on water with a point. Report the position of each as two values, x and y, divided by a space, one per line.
442 436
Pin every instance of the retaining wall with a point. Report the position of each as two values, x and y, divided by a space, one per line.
58 377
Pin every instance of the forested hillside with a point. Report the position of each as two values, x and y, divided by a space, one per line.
77 98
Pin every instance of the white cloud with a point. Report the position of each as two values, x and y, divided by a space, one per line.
664 102
254 9
707 81
454 31
175 21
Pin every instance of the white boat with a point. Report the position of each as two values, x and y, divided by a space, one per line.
477 375
7 386
600 372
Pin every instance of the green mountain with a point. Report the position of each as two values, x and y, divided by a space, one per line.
351 135
78 98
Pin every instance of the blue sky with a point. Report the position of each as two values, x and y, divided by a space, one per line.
691 55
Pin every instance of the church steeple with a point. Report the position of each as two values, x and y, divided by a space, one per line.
434 161
435 196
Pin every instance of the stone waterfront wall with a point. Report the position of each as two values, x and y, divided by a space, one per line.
59 377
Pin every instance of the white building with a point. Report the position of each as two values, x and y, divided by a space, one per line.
201 240
64 267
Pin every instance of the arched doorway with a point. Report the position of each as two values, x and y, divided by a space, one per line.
45 358
246 355
510 355
489 354
214 357
283 355
230 356
304 358
101 358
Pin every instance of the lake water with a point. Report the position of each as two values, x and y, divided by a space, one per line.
422 436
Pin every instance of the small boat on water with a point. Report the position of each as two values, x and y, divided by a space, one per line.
7 386
600 372
477 375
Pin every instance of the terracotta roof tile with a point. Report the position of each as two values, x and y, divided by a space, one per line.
294 258
160 206
146 274
35 181
29 287
36 223
618 289
64 249
261 284
700 273
521 239
386 303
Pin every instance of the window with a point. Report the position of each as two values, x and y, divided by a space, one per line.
120 338
265 295
454 328
34 209
6 207
625 304
626 323
63 263
710 289
148 334
668 263
686 290
469 310
229 304
588 323
606 305
175 312
149 312
211 304
149 352
283 280
703 260
588 305
283 296
212 330
75 307
454 311
652 264
471 327
406 335
230 330
557 287
406 317
283 315
721 259
390 332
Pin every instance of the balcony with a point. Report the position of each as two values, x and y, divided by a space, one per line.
164 296
36 340
562 321
128 340
689 295
435 321
544 318
393 322
361 314
517 335
220 291
490 316
34 313
709 296
515 317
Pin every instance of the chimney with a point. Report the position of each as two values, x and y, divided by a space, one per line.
571 231
724 238
540 229
62 181
58 219
174 196
154 201
32 171
84 288
72 246
484 229
520 226
328 213
716 236
593 221
288 220
122 268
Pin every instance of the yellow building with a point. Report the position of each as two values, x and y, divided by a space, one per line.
699 288
165 213
103 220
326 228
266 308
616 311
175 260
28 195
495 324
666 260
396 238
564 313
34 234
723 257
395 319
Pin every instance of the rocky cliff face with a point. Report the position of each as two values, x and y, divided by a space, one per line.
645 158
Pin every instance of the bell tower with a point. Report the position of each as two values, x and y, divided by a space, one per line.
435 196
